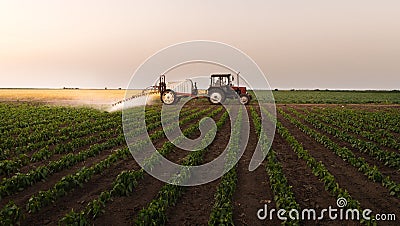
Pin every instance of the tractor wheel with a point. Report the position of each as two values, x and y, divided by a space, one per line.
244 99
216 97
168 97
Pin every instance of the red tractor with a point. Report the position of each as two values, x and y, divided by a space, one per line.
221 87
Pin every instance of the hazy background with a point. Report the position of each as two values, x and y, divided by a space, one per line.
297 44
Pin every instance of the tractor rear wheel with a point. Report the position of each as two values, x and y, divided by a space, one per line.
168 97
244 99
216 96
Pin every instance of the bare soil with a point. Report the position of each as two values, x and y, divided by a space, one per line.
253 188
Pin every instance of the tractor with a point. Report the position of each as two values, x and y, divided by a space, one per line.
221 87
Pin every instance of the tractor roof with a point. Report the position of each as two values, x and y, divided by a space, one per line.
220 75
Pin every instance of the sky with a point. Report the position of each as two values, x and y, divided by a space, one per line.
309 44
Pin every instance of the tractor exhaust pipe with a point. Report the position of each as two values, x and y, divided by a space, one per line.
238 78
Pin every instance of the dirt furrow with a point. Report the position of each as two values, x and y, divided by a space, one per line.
194 206
253 188
308 189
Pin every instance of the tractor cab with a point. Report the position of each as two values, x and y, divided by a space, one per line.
221 87
219 80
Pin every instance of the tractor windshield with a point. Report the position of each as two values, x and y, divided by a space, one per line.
221 81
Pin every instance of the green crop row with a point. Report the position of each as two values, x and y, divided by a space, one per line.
381 136
54 132
71 181
382 120
333 96
10 214
371 172
222 211
389 158
20 181
70 132
22 120
25 116
8 167
123 185
47 133
150 162
283 194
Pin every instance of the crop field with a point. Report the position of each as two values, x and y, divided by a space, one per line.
71 166
336 97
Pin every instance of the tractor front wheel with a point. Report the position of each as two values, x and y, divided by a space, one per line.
216 97
244 99
168 97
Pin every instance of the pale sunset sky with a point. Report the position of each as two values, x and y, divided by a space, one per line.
352 44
